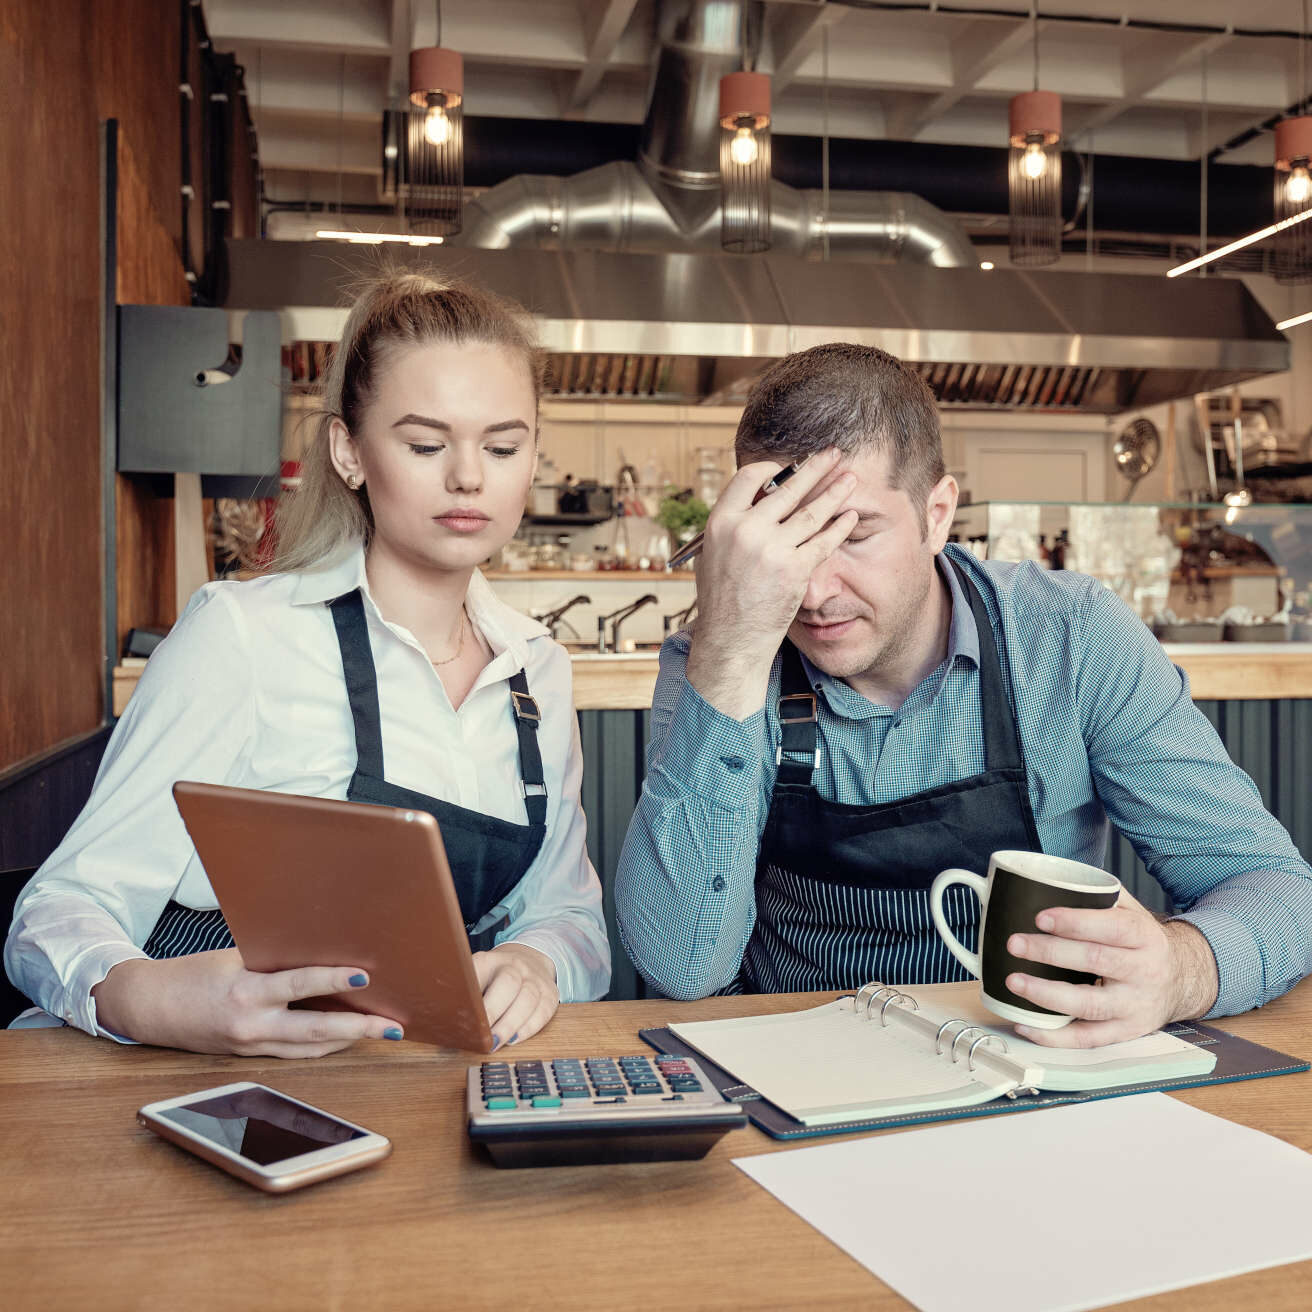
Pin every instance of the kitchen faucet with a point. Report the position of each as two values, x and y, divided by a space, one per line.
552 617
674 622
616 618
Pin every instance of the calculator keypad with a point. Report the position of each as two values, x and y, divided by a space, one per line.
583 1081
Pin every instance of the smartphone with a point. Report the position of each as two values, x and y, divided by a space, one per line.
262 1136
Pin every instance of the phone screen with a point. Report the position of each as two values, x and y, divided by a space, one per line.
260 1125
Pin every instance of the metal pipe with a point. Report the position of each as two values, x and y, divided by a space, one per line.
615 208
669 200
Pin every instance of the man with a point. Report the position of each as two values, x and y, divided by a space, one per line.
859 707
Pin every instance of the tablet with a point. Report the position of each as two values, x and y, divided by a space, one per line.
310 881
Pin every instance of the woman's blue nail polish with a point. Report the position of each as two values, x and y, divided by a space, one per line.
513 1037
358 981
392 1032
496 1043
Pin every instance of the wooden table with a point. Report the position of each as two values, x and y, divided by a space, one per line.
96 1213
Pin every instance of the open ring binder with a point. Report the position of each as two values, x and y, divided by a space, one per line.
936 1053
874 989
938 1037
983 1038
961 1034
901 999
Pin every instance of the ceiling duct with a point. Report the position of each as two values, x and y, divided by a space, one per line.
698 327
669 198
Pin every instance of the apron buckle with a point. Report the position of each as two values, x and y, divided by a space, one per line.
797 714
525 707
527 790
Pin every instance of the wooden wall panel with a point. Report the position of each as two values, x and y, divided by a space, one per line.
63 69
135 50
149 273
51 670
142 94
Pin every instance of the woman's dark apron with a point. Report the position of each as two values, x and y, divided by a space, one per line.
842 892
488 856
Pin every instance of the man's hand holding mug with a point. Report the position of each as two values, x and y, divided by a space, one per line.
1071 958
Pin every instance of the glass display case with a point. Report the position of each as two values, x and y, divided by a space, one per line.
1196 572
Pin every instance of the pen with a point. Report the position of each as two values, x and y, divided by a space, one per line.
693 548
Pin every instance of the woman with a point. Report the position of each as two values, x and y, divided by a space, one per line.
419 471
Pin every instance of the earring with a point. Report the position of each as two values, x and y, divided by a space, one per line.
353 481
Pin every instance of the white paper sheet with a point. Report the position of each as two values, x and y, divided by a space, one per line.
1055 1210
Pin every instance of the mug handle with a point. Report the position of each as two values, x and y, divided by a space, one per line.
940 886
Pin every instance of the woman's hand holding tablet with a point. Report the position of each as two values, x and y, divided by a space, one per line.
210 1002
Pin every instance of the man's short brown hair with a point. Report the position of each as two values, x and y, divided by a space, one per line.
851 397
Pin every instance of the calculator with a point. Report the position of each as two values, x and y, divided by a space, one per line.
573 1111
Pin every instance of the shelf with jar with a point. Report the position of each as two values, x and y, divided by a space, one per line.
1233 571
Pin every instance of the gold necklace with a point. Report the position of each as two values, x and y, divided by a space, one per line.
460 646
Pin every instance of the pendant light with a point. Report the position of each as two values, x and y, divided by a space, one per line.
1034 171
745 159
1293 184
434 139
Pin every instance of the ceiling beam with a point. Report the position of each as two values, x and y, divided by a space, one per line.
792 34
976 52
1145 71
603 23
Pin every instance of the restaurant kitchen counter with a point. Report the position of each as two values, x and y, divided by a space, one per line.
1218 671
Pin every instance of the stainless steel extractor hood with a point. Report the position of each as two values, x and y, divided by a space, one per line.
699 327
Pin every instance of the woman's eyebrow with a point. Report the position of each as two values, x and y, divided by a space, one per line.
425 421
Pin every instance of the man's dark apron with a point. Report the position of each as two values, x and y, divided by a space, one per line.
488 856
842 892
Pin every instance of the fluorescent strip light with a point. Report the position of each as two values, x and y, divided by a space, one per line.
377 238
1260 235
1295 321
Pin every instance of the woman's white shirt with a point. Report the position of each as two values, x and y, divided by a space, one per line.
248 690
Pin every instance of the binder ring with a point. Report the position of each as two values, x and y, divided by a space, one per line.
938 1038
899 998
870 1001
983 1038
862 991
961 1034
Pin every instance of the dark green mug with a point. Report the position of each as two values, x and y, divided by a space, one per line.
1018 887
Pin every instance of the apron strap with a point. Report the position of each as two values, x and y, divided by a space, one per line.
527 718
797 755
361 681
1001 738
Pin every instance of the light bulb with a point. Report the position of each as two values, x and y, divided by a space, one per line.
1299 186
1034 161
742 149
437 127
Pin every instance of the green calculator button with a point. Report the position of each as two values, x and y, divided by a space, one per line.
546 1100
501 1104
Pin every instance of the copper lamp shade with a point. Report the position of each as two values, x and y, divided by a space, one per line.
1293 195
745 162
1034 178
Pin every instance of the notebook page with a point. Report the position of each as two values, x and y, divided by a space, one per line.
1165 1195
1154 1057
827 1065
